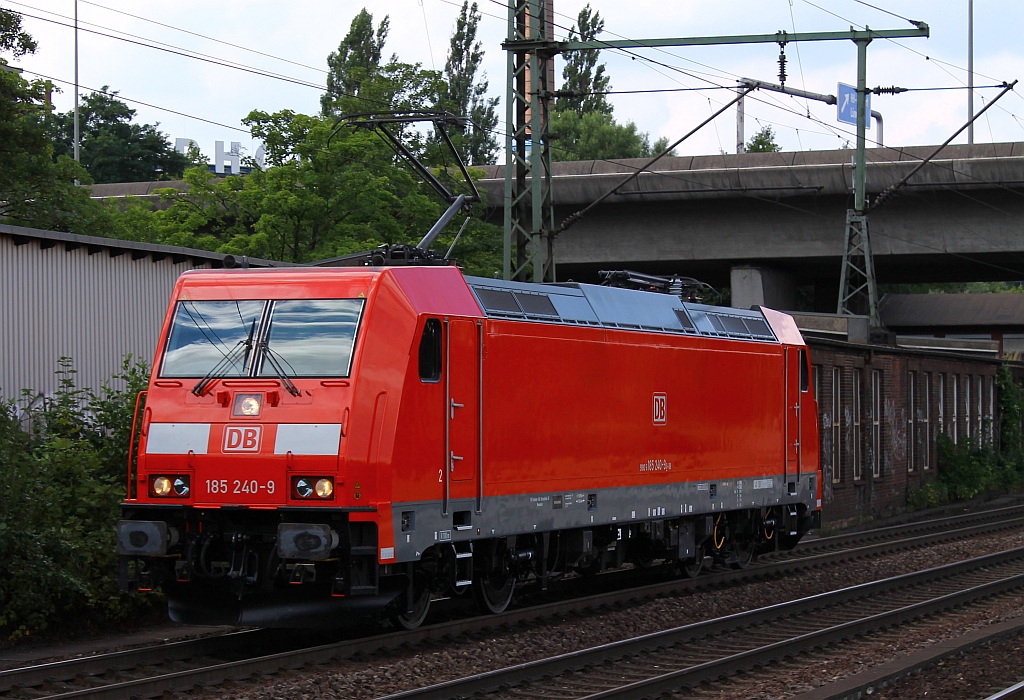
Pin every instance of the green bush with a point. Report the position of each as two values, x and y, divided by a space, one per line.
964 469
63 462
929 494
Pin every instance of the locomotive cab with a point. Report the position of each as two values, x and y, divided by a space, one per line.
245 488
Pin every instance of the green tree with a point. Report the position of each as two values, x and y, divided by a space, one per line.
12 37
35 190
582 122
113 148
584 80
206 213
326 191
358 82
597 136
356 62
763 142
465 95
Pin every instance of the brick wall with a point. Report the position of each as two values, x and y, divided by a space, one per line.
878 435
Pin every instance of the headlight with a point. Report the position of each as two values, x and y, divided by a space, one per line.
170 486
248 404
313 487
324 488
161 486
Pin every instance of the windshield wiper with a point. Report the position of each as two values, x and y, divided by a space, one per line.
270 356
240 351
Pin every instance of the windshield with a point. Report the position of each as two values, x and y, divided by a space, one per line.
306 338
313 337
205 333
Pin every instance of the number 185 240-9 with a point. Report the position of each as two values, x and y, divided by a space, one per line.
238 486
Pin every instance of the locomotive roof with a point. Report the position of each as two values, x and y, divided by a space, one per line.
444 290
593 305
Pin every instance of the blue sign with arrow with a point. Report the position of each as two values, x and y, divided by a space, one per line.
846 105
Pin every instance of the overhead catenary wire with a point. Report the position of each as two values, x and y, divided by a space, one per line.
185 53
197 34
887 192
320 87
829 128
938 62
115 94
773 98
573 218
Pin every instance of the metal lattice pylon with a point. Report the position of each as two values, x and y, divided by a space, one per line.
857 292
529 212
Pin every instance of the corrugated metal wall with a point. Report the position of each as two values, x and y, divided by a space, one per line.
93 308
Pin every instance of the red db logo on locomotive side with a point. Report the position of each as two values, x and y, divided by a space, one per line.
242 438
660 409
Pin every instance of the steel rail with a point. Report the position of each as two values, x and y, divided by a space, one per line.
126 659
758 656
66 671
955 521
1014 692
866 682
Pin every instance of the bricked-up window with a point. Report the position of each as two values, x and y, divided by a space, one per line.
953 432
925 420
858 461
980 420
989 425
876 423
967 407
942 403
837 409
911 408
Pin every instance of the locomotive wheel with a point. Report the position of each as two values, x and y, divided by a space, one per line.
495 581
420 607
742 539
691 569
743 548
494 593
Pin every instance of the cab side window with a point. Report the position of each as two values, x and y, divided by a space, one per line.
430 351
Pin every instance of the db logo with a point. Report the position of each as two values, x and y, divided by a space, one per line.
660 409
242 439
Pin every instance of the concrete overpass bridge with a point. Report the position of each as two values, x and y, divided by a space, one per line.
781 217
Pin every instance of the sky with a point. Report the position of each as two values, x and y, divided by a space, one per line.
204 101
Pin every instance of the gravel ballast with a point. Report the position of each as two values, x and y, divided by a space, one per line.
460 657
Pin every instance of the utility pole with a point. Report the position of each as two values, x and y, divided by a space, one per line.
76 83
741 140
529 209
970 71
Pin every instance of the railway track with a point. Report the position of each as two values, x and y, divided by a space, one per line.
685 657
179 666
1014 692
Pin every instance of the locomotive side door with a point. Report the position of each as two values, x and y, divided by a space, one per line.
463 387
796 382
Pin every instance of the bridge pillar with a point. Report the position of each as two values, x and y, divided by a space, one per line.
762 286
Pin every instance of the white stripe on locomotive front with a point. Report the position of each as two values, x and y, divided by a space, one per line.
297 438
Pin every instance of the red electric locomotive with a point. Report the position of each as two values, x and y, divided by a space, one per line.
320 440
